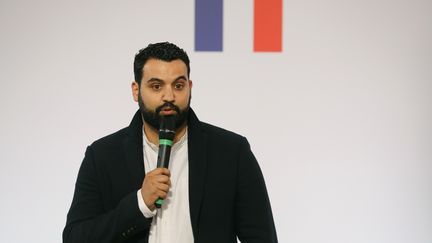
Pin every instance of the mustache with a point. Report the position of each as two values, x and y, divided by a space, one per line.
168 105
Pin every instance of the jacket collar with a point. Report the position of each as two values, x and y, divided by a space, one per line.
134 151
197 150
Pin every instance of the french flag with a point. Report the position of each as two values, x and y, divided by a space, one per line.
267 25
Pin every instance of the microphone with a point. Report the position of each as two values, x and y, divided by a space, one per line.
166 137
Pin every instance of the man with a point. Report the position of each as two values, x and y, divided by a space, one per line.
213 190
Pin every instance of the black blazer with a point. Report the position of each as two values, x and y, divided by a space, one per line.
227 193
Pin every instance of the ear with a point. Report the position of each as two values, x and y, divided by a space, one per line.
190 84
135 90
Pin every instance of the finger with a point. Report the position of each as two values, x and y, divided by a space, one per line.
160 171
162 194
162 179
165 171
163 187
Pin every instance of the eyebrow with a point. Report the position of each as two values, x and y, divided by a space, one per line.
162 81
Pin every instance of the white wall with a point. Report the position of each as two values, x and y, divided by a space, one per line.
340 120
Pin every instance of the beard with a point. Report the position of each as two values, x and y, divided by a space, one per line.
153 118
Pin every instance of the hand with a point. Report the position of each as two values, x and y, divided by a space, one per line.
156 185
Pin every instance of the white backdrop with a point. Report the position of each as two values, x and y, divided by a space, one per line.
340 121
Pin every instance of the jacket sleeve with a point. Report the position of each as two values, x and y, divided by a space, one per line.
88 221
253 215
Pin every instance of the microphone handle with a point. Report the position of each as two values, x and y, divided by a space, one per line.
163 156
163 161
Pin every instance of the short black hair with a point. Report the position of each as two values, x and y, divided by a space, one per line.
164 51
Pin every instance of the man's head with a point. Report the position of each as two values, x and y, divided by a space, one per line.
164 51
162 85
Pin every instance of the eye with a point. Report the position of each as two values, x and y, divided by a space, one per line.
179 86
156 86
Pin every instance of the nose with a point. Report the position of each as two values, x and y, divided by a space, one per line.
168 95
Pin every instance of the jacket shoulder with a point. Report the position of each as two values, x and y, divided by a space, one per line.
222 135
112 140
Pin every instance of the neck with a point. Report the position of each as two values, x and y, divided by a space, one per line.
152 134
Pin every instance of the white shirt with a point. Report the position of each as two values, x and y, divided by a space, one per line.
171 223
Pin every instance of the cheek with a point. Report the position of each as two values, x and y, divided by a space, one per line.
183 100
150 100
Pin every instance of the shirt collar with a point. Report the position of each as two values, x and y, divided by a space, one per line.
155 147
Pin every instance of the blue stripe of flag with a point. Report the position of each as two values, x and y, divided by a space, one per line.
208 25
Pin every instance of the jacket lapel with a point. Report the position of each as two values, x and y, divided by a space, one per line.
197 145
133 147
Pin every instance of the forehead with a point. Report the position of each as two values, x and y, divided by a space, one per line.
155 68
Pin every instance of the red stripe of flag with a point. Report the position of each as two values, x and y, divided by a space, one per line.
267 25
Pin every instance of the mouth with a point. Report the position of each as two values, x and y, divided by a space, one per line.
168 111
